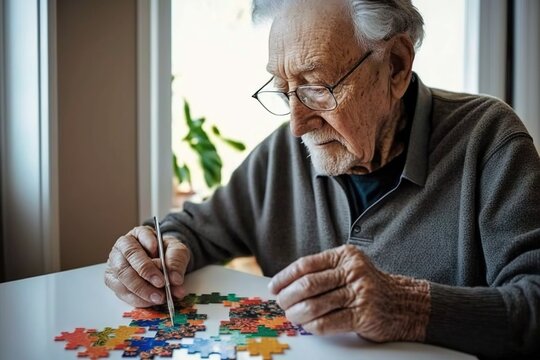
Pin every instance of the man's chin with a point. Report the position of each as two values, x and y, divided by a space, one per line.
332 164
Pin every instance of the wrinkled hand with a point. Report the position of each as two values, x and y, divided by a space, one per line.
134 268
340 290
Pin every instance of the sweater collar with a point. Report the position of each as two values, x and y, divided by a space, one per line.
415 169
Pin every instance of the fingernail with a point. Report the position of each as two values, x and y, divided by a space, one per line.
156 298
156 281
176 278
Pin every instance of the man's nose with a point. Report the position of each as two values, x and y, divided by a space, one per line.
303 119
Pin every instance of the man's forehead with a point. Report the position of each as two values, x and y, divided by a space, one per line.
310 36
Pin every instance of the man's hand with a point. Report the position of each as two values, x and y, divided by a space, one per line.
340 290
134 269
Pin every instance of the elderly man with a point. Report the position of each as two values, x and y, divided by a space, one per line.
396 211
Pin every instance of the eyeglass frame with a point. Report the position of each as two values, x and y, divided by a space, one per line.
330 88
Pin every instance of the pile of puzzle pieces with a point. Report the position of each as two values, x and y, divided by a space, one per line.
253 326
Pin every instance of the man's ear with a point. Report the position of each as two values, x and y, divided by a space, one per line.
401 60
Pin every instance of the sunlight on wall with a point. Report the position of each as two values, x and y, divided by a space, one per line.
219 60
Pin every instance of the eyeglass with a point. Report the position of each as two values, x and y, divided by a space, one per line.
315 97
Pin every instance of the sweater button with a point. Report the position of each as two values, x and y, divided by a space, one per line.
356 229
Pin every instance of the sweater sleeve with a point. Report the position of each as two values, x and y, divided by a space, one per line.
225 225
503 318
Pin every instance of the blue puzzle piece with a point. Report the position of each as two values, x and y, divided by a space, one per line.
226 349
146 323
147 348
238 338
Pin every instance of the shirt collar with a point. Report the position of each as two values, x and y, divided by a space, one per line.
415 169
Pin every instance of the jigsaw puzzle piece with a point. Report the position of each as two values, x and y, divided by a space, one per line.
146 323
263 331
119 335
146 314
213 298
188 301
147 348
94 352
265 347
205 347
178 332
238 338
79 337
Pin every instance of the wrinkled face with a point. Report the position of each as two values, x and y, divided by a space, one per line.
317 45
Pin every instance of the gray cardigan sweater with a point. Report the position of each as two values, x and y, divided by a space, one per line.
465 216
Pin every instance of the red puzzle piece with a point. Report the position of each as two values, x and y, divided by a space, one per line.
79 337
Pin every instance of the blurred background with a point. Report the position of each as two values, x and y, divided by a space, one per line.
104 105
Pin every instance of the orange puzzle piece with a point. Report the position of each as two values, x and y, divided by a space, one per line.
266 347
145 314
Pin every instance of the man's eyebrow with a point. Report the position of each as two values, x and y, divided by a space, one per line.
297 69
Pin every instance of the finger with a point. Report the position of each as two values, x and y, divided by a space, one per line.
308 264
126 274
338 321
177 257
157 263
311 285
123 293
147 238
316 307
131 249
137 285
178 291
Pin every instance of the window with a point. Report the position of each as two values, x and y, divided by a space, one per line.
440 61
219 59
28 143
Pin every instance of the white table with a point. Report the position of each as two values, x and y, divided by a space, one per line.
33 311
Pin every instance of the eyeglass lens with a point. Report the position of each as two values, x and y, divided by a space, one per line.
275 102
313 96
316 97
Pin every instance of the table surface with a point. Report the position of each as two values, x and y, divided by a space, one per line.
33 311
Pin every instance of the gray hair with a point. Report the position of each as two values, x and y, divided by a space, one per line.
374 20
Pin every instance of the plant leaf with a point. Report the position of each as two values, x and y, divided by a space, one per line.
187 114
237 145
186 174
199 141
182 173
212 170
176 169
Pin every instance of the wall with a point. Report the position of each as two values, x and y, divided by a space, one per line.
97 126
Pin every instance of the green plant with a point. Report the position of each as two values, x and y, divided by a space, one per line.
199 141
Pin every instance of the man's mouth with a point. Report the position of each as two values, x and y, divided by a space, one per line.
325 142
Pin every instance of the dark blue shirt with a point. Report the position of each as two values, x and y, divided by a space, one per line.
365 190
